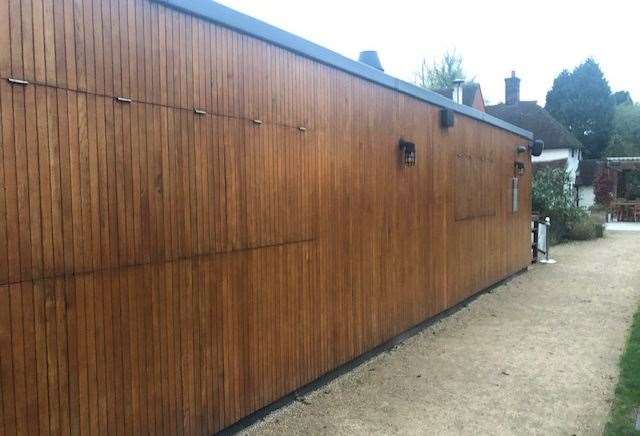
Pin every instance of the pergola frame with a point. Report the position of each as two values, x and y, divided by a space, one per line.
619 166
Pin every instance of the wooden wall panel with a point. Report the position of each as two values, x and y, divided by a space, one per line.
476 184
104 184
167 272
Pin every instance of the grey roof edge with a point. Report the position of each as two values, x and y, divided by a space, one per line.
238 21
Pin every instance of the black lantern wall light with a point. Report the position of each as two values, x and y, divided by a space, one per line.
536 148
446 118
408 152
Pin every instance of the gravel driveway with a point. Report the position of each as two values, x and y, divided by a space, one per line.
537 355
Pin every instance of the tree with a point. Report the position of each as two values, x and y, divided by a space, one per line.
622 97
581 100
440 75
625 136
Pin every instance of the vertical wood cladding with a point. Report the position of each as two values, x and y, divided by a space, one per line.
167 272
476 183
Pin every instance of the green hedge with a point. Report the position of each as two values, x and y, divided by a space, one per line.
585 229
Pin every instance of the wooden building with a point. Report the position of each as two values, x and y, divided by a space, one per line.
200 213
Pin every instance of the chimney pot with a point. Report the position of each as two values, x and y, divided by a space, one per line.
371 58
512 89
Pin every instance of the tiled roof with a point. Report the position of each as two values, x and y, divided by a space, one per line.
528 115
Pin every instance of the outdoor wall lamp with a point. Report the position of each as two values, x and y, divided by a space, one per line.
518 168
537 147
408 150
446 118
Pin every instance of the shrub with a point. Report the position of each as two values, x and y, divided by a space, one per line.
585 229
553 197
599 228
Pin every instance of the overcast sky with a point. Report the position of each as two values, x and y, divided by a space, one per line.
536 38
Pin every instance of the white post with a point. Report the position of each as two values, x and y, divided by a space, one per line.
547 260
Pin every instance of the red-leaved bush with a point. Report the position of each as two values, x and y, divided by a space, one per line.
603 187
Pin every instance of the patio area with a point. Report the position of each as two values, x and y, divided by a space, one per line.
623 227
624 173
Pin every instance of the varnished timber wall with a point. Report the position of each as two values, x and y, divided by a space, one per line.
164 272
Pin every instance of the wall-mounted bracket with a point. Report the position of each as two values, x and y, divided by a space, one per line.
17 81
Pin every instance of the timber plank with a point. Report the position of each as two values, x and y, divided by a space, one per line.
5 40
7 378
22 181
5 134
43 174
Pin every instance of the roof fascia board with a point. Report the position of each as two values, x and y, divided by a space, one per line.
238 21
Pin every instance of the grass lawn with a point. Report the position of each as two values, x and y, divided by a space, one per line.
627 401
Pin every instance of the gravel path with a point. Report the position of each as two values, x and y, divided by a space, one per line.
537 355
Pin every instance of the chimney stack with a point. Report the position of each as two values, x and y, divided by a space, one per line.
370 57
457 90
512 89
